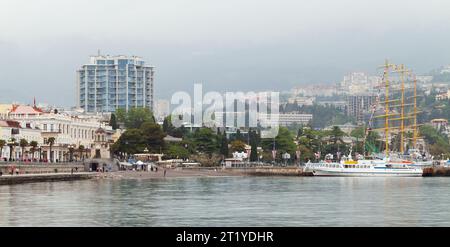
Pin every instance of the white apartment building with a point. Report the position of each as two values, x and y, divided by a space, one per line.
287 119
110 82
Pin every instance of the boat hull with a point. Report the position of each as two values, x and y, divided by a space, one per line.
367 172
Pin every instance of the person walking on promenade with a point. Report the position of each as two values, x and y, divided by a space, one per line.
165 172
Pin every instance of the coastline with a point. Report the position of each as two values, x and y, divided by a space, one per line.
170 173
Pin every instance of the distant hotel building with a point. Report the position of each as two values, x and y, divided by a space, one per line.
111 82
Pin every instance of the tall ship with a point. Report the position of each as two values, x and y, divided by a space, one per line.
393 120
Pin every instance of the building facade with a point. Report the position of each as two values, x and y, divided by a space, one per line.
73 136
111 82
12 131
357 105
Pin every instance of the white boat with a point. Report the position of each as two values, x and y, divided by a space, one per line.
364 168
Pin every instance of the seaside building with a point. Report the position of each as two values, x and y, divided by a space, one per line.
10 130
77 135
110 82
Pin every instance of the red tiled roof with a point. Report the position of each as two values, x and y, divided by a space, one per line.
25 109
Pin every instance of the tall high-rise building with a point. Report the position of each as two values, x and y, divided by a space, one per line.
357 105
111 82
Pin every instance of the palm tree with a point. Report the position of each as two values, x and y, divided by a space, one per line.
51 141
23 144
2 144
33 145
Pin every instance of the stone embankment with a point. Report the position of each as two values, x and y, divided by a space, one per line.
263 171
436 171
272 171
47 177
38 168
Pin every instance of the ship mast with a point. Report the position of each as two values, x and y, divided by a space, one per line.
415 114
386 117
401 69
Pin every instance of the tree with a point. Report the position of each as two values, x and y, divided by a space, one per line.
237 146
300 132
113 121
224 145
2 144
238 136
305 153
154 136
205 141
358 133
121 115
336 134
439 143
137 116
167 125
33 145
51 141
132 141
373 143
176 151
23 144
284 142
254 146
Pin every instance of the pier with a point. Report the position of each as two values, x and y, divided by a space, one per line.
436 171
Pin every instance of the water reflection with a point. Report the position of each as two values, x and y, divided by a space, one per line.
248 201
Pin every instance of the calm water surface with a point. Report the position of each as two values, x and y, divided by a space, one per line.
231 201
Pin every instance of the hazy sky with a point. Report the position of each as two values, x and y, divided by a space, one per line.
227 45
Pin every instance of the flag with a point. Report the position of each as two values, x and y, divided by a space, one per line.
317 155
